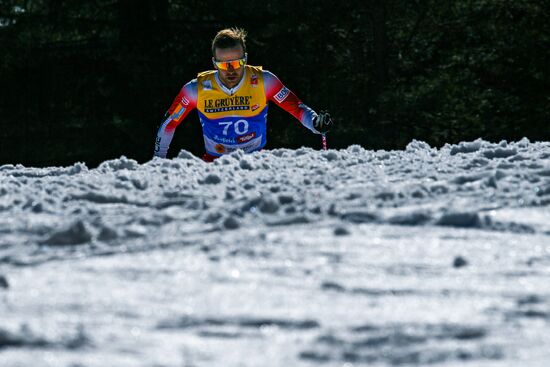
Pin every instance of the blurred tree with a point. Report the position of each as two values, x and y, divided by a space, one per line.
468 69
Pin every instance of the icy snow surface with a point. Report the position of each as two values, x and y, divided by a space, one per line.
281 258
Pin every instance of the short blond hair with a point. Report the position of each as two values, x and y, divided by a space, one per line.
229 38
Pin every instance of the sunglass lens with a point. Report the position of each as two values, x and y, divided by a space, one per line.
235 64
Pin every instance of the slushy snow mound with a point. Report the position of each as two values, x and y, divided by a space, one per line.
471 185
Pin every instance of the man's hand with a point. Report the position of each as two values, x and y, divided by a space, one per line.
322 122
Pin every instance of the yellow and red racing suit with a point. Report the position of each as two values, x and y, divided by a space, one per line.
231 118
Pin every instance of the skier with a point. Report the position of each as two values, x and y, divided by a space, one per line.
232 102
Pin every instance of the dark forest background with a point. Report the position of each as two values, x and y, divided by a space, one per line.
91 80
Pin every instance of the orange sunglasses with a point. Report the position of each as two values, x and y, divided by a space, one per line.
235 64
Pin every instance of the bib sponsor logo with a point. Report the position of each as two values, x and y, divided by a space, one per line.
245 138
184 101
224 148
235 103
254 80
255 107
222 140
282 94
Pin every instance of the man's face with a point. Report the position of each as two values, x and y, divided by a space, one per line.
232 76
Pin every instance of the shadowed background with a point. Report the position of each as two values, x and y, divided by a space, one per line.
90 81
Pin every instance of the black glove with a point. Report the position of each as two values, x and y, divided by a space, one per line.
322 122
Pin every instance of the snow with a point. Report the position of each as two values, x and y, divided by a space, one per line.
281 258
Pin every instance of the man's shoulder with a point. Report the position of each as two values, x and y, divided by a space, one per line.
191 86
257 69
269 77
191 83
206 73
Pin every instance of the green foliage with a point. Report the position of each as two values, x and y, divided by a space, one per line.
471 69
91 81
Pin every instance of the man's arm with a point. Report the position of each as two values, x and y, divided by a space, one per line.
283 97
185 102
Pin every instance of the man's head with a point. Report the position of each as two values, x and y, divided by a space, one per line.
229 45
